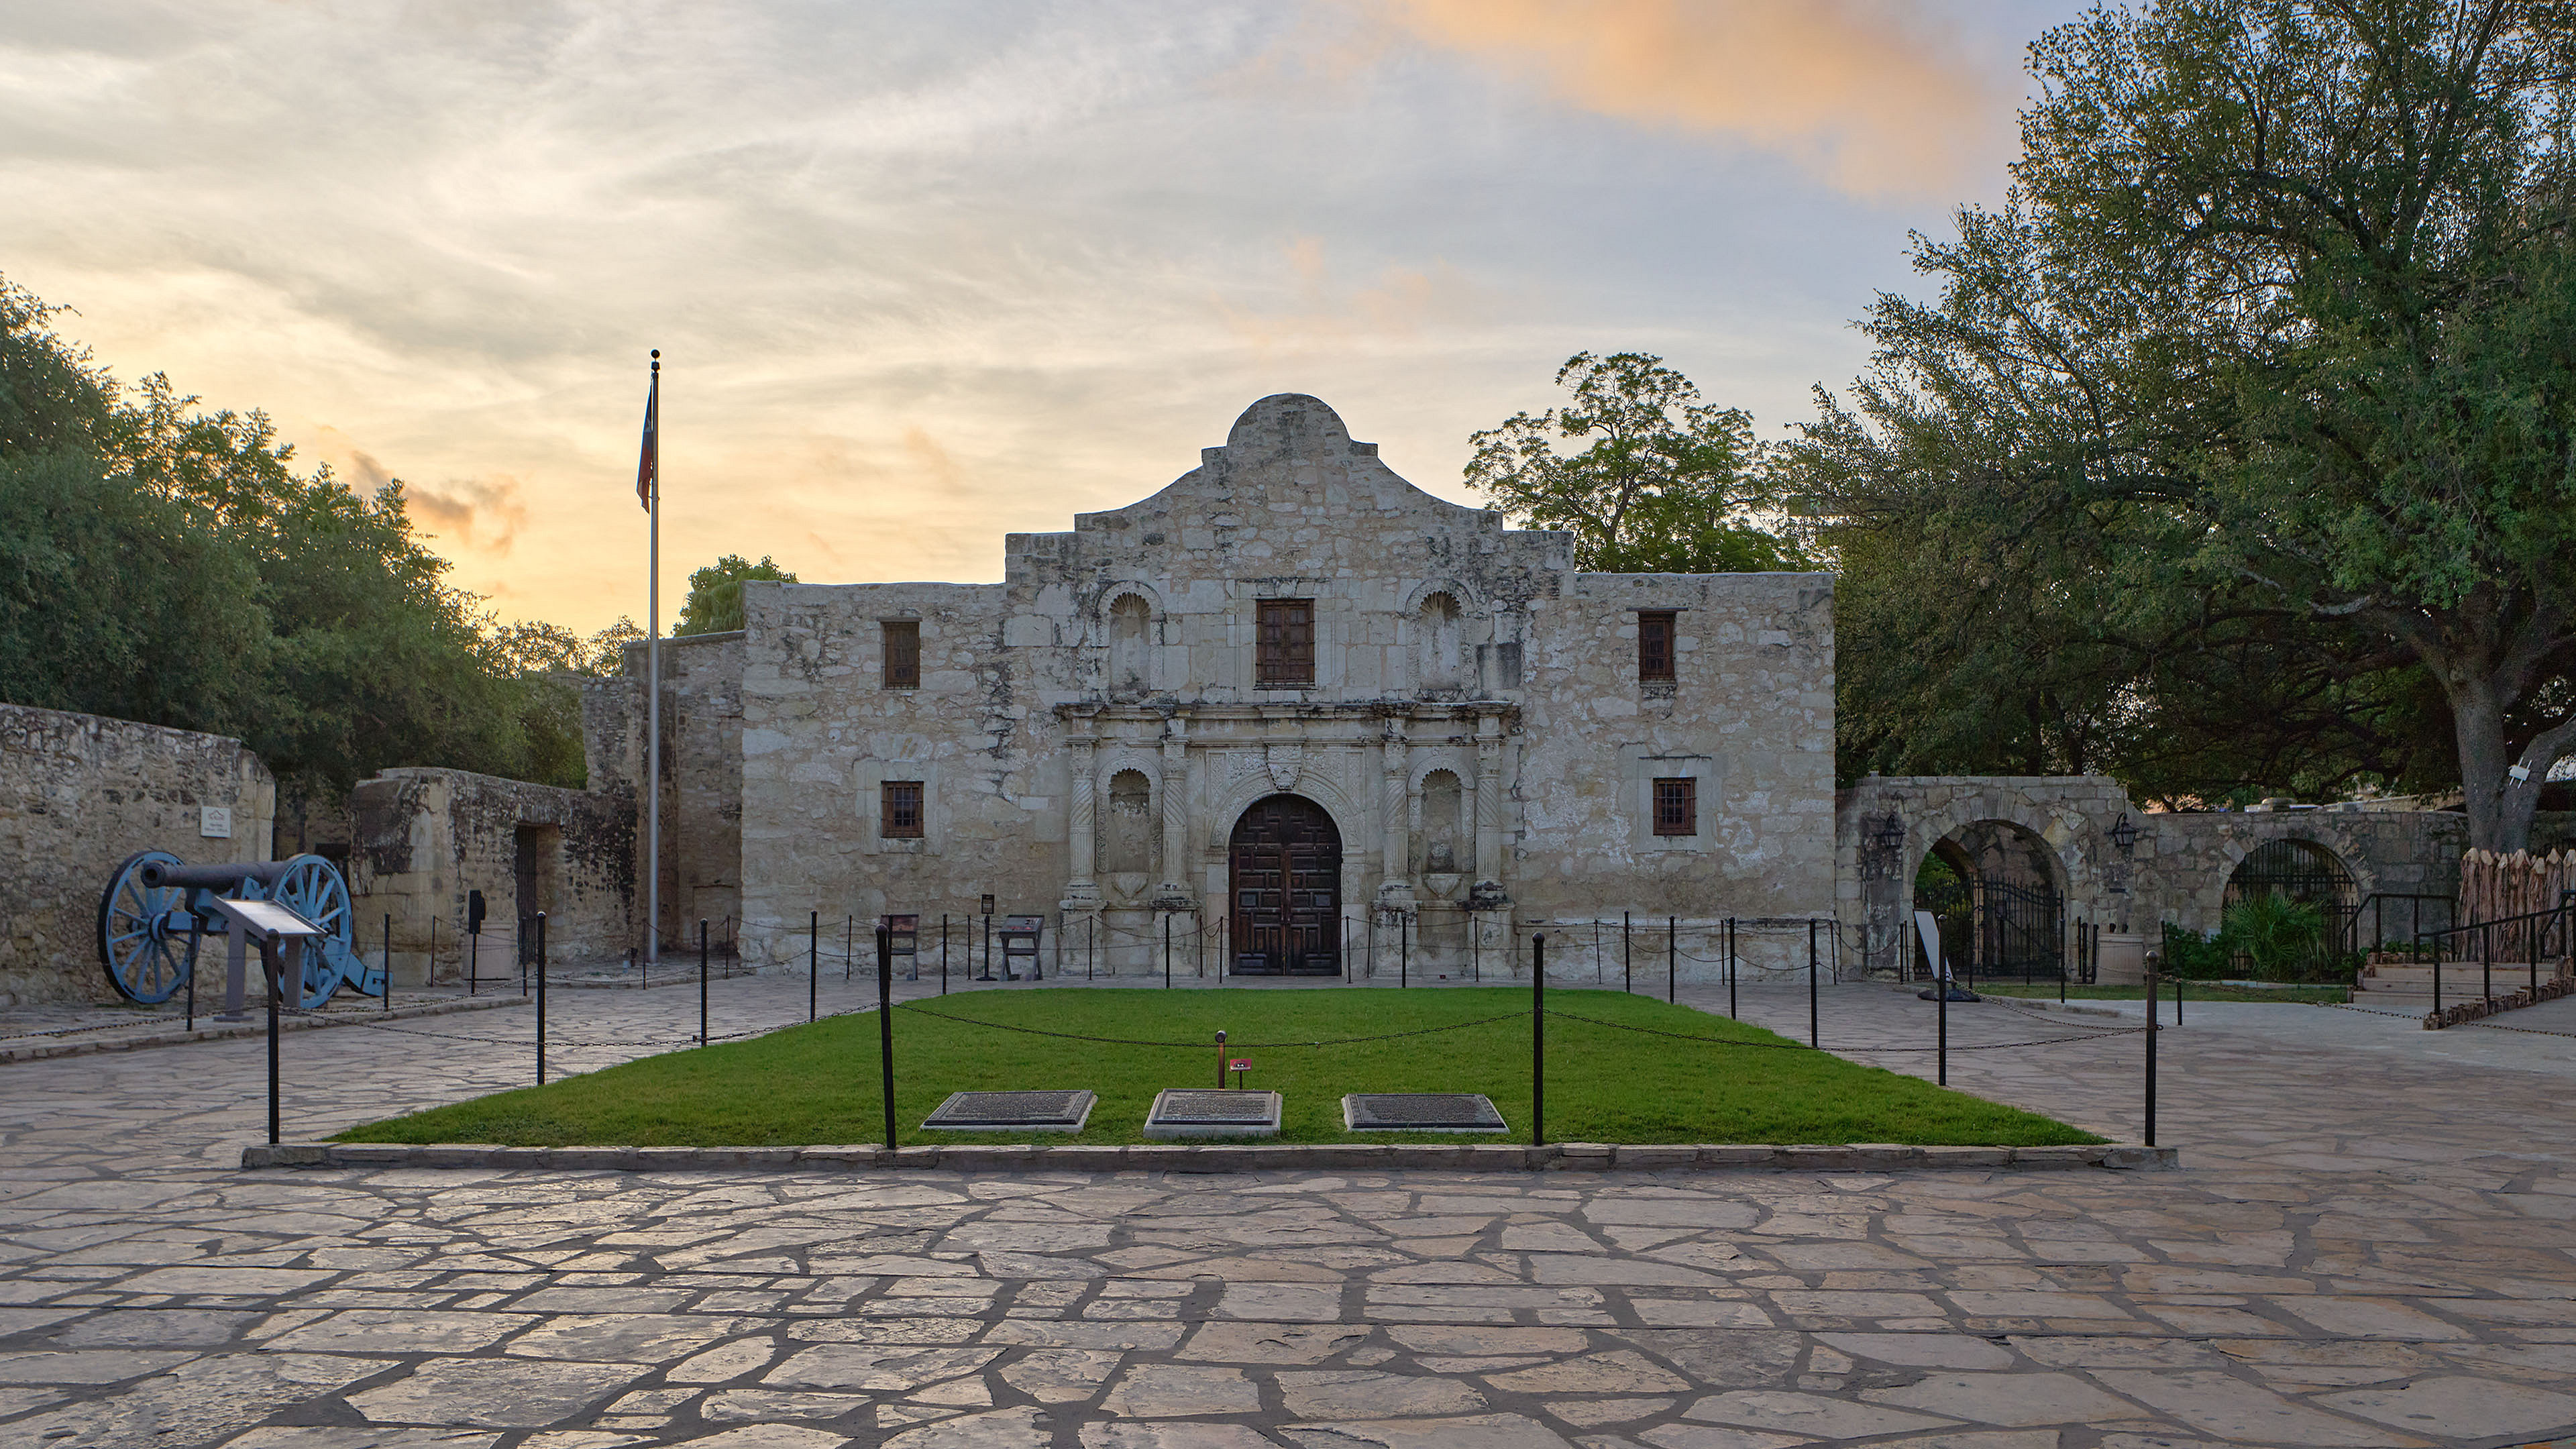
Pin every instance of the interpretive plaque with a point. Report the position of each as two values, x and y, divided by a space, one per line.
1420 1112
1011 1112
1201 1112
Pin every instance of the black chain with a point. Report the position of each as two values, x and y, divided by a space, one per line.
920 1010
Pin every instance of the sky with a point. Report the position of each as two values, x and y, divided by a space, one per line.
924 274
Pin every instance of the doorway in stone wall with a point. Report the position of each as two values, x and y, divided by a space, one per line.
1285 887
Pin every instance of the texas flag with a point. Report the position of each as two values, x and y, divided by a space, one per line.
648 469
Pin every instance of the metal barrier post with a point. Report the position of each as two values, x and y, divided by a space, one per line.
1815 1031
541 998
2154 958
813 967
1089 923
1404 951
1731 1013
389 958
1941 994
1627 958
473 958
272 964
702 981
2177 998
943 955
849 945
1538 1039
192 1001
1672 957
885 1025
2486 961
1167 950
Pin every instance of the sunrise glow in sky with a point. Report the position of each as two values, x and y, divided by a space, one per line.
927 273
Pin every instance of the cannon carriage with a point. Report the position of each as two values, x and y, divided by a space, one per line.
157 912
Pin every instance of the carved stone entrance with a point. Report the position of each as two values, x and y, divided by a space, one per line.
1286 890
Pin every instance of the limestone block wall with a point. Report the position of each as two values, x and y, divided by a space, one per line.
1749 716
701 865
425 838
78 794
2390 852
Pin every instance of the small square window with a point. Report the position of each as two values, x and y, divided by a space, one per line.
1677 806
1285 650
1654 645
902 814
902 653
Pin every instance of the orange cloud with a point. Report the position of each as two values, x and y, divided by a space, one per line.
1853 87
1404 301
477 513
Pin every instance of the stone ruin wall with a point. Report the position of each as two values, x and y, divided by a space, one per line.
425 838
702 776
78 794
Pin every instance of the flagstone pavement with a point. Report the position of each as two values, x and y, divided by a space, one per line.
2372 1241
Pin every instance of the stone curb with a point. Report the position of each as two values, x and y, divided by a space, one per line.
1175 1157
256 1026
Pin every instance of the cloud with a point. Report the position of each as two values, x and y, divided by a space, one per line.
1401 303
478 513
1853 87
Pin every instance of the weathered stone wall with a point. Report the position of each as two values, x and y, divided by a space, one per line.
1088 731
2176 869
425 838
78 794
701 773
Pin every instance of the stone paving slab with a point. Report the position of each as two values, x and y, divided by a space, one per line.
2369 1243
100 1032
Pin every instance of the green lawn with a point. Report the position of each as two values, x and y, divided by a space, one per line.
817 1084
2191 991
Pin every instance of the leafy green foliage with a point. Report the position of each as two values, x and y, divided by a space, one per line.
1667 484
819 1083
714 605
2280 937
169 565
2243 425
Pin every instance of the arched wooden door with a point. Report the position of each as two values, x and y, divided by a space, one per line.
1286 885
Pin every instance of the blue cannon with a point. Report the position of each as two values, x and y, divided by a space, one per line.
156 915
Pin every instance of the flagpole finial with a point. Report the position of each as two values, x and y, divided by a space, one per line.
657 359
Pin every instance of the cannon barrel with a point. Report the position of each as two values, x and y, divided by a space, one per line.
158 874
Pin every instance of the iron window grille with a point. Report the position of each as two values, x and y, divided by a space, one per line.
1677 806
902 813
902 654
1285 649
1655 645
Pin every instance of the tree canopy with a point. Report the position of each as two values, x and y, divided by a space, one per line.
714 605
1667 484
2244 424
167 564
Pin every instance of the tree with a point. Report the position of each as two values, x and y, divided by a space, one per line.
1668 484
714 605
2280 324
169 565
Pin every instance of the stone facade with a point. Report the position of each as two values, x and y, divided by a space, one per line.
78 794
1086 735
426 838
701 774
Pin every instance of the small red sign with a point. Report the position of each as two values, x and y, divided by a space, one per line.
1241 1064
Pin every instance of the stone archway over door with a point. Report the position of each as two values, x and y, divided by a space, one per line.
1285 885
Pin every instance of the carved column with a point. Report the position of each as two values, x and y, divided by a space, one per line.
1489 808
1081 893
1393 888
1173 891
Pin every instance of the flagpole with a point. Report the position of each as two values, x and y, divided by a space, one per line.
653 679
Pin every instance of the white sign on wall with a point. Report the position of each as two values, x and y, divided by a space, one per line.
215 822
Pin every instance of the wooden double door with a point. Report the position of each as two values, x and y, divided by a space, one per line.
1286 890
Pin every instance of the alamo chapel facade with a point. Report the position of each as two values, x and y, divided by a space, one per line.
1304 716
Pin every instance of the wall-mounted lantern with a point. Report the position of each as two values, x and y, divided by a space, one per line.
2125 834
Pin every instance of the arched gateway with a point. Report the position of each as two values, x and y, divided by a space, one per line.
1285 877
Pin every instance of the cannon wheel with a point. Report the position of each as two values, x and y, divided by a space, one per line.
137 942
312 888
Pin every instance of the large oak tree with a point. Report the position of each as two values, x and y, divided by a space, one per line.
2277 336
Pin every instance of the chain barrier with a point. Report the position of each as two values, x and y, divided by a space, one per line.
1801 1047
919 1010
